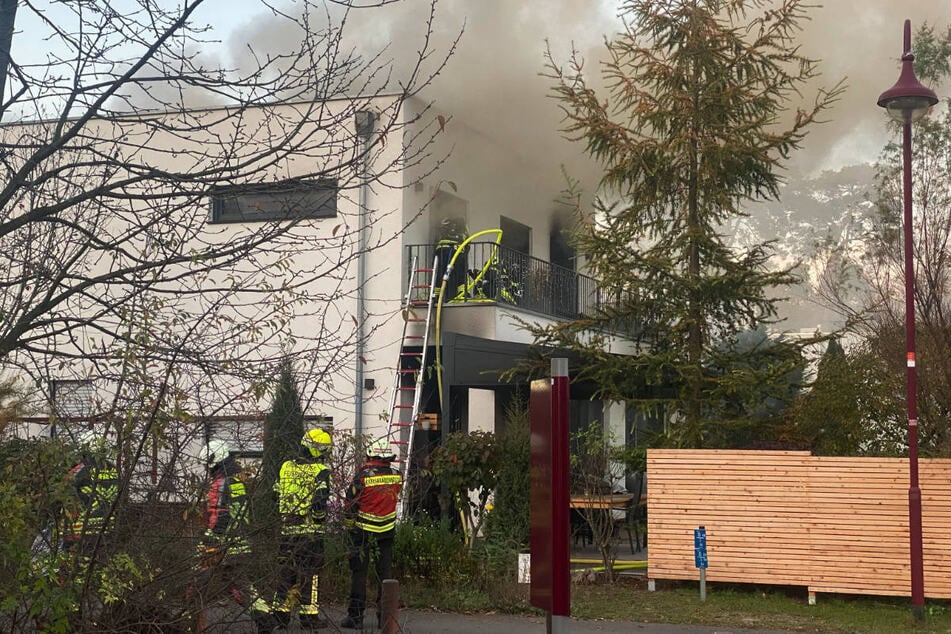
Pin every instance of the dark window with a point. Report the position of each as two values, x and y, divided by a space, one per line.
515 235
275 201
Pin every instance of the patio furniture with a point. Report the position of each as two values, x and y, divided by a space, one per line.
634 513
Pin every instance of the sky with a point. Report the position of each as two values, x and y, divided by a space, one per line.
493 79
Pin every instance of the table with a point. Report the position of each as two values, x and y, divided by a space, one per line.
582 504
613 501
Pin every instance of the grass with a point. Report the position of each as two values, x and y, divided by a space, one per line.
730 605
471 585
727 605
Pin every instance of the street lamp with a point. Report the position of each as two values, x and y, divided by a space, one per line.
908 101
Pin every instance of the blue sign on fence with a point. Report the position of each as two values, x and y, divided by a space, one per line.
700 547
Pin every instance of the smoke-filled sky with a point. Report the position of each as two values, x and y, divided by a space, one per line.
493 79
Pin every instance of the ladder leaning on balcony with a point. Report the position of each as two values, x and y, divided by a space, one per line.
411 364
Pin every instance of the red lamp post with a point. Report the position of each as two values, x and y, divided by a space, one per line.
908 101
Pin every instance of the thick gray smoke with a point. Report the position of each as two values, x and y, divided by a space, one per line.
860 40
493 81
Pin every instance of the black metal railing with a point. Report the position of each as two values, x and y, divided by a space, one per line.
484 272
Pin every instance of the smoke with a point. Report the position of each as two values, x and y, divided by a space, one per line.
492 82
860 40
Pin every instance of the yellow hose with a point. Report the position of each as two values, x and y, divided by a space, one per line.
442 294
619 564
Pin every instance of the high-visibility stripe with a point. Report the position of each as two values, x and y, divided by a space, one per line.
380 480
302 529
376 518
375 529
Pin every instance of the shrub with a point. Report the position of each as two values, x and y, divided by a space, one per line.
429 549
507 524
468 462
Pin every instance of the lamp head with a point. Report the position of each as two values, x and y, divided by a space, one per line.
908 100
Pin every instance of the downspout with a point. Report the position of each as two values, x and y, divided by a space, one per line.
363 122
8 13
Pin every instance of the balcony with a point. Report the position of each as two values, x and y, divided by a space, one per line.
488 273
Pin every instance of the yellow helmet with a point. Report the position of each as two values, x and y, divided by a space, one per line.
317 442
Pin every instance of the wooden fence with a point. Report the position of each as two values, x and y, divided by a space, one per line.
790 518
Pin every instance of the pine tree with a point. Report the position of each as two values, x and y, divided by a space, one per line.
283 430
695 124
828 417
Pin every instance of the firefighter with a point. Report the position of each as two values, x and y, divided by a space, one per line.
224 552
303 489
370 514
95 480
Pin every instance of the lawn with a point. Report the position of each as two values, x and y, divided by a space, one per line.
727 605
753 607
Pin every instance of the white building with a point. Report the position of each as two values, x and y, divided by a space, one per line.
352 257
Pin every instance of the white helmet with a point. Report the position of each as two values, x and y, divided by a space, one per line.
89 441
216 452
86 438
380 449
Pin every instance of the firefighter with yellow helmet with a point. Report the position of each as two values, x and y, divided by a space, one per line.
303 489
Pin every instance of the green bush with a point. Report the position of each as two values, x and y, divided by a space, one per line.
429 549
507 524
468 463
32 485
335 576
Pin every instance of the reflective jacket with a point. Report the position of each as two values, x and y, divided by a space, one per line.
372 497
303 489
226 510
97 487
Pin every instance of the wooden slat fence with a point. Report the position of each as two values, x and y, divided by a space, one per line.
790 518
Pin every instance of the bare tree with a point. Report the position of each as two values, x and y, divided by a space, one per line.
172 227
867 286
109 169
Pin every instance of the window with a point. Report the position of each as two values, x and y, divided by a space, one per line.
515 235
275 201
72 398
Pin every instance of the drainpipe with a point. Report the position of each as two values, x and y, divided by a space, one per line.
8 13
363 122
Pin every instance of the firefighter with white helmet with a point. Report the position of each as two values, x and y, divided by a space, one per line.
96 482
303 489
224 551
371 518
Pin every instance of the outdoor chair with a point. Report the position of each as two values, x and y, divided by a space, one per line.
633 515
580 530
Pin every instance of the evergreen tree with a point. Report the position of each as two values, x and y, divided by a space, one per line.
828 417
694 125
283 430
757 414
508 522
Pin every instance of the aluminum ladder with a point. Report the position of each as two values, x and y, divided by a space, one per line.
403 418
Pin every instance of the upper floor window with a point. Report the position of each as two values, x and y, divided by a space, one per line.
290 199
515 235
